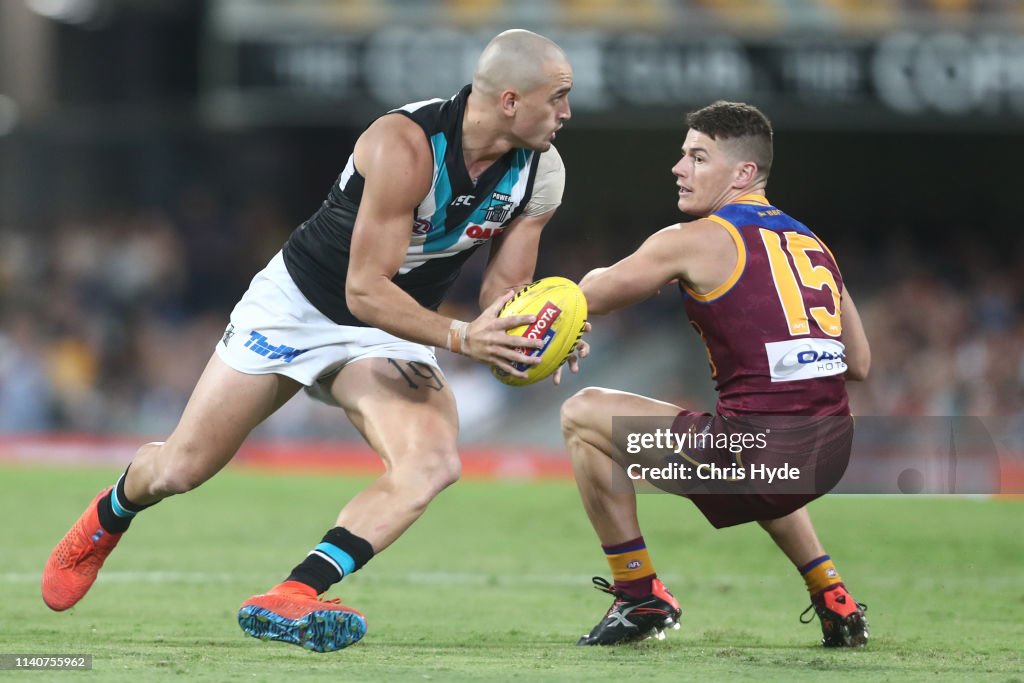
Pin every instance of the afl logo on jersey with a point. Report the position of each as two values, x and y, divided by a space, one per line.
421 226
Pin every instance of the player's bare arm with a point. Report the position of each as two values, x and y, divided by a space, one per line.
513 257
699 253
395 160
858 352
511 265
636 277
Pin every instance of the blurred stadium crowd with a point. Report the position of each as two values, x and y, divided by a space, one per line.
129 225
107 319
740 14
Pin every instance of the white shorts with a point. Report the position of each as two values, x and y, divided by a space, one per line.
274 329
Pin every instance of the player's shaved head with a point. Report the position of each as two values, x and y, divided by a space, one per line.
517 60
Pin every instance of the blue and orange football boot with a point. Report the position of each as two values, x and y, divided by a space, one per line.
75 562
632 619
843 623
292 613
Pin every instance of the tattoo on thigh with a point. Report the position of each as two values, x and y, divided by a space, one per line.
419 374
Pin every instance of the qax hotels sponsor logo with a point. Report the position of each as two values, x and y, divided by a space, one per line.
258 344
796 359
478 232
540 329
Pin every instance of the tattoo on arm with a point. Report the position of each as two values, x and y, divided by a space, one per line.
418 374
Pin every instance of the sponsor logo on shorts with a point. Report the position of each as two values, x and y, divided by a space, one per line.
259 344
228 334
540 329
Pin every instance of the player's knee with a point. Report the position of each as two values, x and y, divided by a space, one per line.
174 481
441 468
183 470
427 474
579 408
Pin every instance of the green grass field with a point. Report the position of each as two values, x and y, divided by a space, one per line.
493 584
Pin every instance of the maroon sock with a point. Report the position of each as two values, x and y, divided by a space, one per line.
633 588
637 588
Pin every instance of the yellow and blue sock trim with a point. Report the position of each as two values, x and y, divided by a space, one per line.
820 574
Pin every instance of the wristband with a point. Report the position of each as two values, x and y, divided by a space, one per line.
457 336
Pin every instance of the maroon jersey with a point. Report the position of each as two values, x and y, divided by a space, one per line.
773 330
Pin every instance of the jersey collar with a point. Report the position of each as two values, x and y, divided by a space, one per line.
759 199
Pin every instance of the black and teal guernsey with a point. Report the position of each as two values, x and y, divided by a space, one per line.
453 220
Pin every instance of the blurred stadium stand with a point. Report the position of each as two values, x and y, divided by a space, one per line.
154 154
653 14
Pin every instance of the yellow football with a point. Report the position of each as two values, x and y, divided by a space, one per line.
561 313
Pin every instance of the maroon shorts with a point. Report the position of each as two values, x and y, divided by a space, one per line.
759 468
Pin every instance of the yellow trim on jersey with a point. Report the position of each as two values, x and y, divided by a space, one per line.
711 360
831 255
741 263
752 199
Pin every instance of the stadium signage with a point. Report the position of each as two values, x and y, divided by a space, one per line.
947 78
950 73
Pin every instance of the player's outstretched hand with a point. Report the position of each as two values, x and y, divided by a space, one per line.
487 342
581 350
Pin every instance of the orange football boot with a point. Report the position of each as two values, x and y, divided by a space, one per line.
292 613
843 622
75 562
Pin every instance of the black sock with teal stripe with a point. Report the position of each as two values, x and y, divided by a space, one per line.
116 511
339 554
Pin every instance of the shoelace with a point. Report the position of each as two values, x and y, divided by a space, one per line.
78 553
318 598
601 584
861 605
804 613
